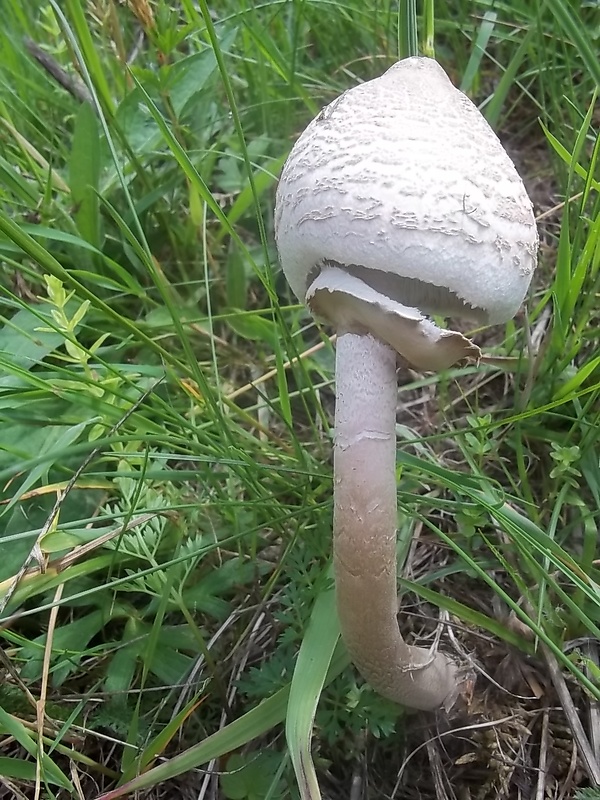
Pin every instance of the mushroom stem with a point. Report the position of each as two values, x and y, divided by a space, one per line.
365 531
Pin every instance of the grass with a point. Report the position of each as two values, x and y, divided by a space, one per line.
165 585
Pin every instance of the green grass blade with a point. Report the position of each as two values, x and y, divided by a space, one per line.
567 17
493 109
408 42
11 726
84 174
86 43
238 733
309 678
486 29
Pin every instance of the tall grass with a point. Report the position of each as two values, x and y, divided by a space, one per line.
166 404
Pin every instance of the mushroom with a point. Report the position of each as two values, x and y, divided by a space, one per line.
397 202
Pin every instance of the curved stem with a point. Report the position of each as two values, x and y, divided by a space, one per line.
365 531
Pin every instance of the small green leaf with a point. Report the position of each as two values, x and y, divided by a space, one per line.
23 344
55 541
254 327
68 648
251 776
190 75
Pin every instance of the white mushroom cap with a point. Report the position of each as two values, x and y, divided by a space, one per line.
402 184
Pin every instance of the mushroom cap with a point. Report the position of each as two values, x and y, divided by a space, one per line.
402 183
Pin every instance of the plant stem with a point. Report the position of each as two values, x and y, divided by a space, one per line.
428 28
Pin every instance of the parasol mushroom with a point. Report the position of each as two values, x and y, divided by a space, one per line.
398 202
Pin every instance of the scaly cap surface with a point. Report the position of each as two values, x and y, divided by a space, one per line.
402 183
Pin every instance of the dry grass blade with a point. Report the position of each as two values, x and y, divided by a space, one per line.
73 84
16 793
35 154
540 789
41 703
591 652
274 372
590 762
